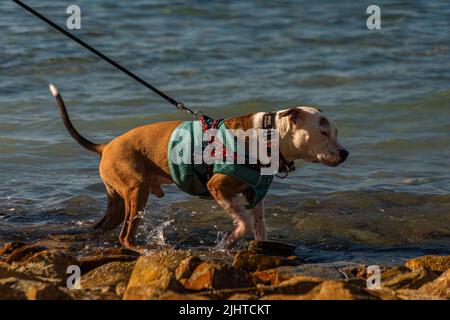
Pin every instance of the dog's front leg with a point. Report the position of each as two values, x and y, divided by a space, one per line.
259 228
226 191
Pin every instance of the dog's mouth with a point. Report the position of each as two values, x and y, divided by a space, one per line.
326 162
332 160
329 163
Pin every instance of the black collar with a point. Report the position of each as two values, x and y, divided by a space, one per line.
268 122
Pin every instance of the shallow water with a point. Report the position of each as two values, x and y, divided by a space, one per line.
388 91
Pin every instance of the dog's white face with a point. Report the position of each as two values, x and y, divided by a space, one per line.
307 133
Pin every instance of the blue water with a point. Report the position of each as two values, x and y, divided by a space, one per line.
387 90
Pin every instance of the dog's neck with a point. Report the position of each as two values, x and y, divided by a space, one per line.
264 120
250 121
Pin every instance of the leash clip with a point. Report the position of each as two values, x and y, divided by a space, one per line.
286 172
182 107
288 168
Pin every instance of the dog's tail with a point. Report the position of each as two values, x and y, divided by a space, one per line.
98 148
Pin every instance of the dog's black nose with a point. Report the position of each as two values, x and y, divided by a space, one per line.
343 154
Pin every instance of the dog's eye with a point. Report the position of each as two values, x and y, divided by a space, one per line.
324 133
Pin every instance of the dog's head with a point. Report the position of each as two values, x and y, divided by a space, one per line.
307 133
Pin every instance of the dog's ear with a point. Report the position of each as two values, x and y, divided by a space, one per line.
295 114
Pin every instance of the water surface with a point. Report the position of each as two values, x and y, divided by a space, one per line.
387 90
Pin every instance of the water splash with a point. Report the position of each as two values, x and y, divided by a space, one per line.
219 243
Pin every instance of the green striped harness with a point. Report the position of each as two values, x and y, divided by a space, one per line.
186 145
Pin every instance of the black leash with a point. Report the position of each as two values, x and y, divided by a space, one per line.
177 104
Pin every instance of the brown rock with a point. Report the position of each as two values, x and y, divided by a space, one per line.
8 293
250 261
47 265
297 285
336 290
9 275
340 290
271 248
283 273
439 288
91 262
187 267
115 251
90 294
409 294
283 297
403 278
170 295
120 288
35 289
6 270
433 263
224 294
9 247
108 275
383 294
243 296
46 291
217 275
23 253
154 274
355 271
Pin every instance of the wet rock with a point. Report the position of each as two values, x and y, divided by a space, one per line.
383 294
23 253
439 288
46 265
45 291
8 293
88 263
154 274
108 275
9 276
393 272
224 294
271 248
409 294
433 263
280 274
120 288
187 267
170 295
330 290
6 271
355 271
243 296
217 275
34 289
340 290
9 247
403 278
296 285
283 297
169 258
115 251
247 260
90 294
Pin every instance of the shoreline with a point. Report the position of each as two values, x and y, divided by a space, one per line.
266 270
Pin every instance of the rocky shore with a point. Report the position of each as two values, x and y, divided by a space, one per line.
265 270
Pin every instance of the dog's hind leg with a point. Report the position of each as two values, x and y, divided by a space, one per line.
115 212
134 203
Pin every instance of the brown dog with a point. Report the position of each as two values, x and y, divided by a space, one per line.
136 163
